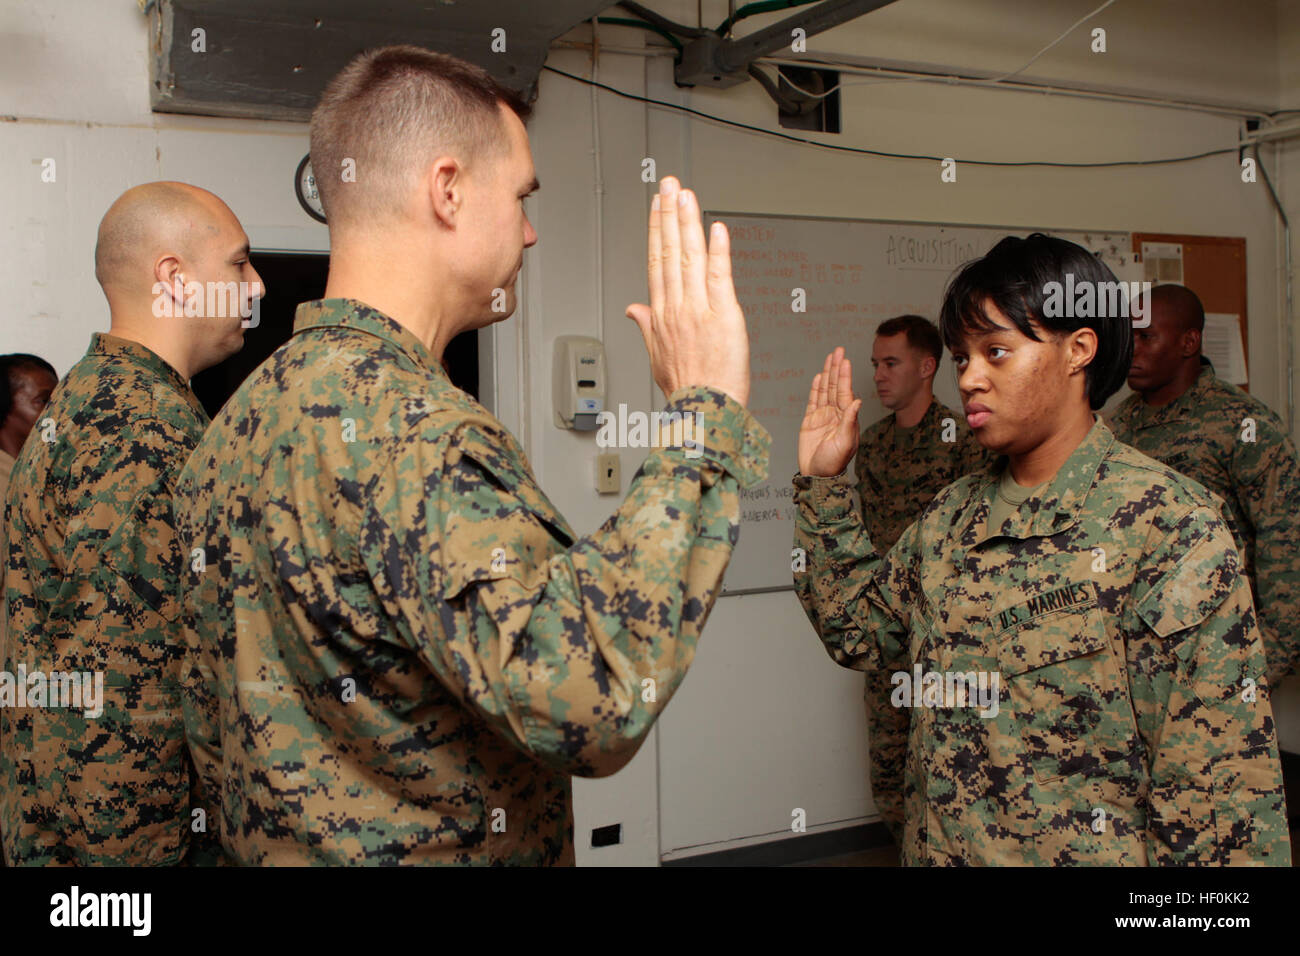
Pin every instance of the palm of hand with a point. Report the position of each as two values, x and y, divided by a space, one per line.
823 446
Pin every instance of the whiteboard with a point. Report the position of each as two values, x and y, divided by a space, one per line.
855 274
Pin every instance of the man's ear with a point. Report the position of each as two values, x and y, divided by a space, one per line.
1191 343
169 280
445 188
928 367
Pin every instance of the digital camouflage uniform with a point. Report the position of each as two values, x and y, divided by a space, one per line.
401 651
899 470
92 569
1132 724
1204 433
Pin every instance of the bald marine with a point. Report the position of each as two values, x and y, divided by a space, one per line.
93 563
1167 353
170 249
1187 417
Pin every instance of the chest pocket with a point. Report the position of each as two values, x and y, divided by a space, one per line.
1070 699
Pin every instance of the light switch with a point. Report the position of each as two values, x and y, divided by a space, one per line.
608 480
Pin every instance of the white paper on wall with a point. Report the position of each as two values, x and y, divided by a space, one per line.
1221 343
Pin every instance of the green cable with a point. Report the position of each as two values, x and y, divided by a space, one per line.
761 6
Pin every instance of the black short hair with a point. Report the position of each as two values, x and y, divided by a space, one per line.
1183 303
1016 275
12 363
922 334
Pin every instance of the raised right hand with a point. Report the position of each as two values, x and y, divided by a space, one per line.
828 436
693 328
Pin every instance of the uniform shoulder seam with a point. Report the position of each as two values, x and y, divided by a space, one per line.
1195 494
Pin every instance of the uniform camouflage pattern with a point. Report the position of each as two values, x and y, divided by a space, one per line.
1133 725
1202 434
899 470
90 585
400 651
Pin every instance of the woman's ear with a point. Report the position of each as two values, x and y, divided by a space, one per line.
1083 348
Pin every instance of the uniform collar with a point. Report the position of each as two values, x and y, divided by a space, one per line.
922 430
929 413
1060 504
125 350
1205 374
1144 414
354 314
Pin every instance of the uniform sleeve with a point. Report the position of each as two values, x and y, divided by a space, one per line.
569 649
204 620
1267 476
201 710
129 798
1196 665
144 550
858 601
124 508
4 584
860 460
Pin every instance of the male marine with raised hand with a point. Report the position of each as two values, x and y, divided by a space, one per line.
1071 626
401 652
1184 415
93 560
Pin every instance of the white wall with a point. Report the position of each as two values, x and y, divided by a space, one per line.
764 722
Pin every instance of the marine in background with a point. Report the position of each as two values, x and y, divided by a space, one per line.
1186 416
93 562
902 462
26 383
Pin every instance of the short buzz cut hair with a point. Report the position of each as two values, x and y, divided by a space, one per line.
1183 303
390 111
922 334
1015 276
